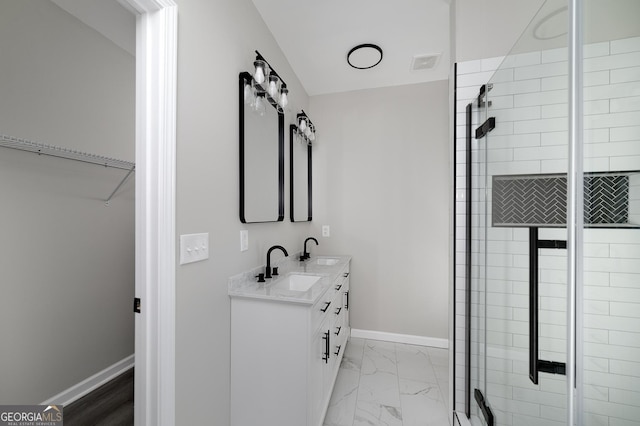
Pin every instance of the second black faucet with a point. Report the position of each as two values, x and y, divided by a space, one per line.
305 255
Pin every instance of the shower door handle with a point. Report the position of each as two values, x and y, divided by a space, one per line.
535 364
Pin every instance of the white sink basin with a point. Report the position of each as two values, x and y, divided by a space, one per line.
327 261
297 282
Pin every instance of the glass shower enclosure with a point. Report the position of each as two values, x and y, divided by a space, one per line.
548 189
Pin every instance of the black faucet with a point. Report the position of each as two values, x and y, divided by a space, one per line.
305 254
267 272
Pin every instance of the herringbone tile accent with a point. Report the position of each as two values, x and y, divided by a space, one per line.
541 200
606 199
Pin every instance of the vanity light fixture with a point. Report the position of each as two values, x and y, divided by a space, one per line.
364 56
266 81
305 128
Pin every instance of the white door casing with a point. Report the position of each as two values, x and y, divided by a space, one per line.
156 69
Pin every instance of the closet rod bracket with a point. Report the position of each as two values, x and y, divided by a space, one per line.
133 168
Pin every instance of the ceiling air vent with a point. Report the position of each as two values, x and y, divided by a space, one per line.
425 62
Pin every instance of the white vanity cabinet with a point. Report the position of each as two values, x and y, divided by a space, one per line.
285 354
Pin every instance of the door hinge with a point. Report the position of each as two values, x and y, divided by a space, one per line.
552 367
136 305
486 127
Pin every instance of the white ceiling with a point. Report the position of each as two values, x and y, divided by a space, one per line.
108 17
316 36
603 21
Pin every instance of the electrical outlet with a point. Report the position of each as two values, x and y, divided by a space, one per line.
194 247
326 232
244 240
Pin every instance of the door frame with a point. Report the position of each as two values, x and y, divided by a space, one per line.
156 73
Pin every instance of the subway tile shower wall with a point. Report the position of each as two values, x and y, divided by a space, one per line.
529 101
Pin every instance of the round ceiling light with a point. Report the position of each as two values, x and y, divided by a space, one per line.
552 26
364 56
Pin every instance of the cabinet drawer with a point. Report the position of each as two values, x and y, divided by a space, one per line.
337 305
343 279
339 329
323 308
340 283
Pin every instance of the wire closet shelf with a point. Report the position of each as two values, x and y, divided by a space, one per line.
69 154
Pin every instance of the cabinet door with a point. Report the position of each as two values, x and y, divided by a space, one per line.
345 303
320 351
328 373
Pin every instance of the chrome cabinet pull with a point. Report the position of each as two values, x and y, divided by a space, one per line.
327 304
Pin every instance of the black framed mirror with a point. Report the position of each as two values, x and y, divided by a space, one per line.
261 154
300 182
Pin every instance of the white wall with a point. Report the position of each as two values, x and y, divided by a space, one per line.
398 267
216 41
381 174
67 260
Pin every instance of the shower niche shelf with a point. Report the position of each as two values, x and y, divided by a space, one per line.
611 200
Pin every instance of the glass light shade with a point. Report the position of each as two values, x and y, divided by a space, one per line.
260 105
274 86
307 131
302 125
284 97
248 93
261 71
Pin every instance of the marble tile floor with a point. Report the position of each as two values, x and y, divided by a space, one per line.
390 384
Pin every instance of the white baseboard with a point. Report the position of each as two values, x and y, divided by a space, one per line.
433 342
79 390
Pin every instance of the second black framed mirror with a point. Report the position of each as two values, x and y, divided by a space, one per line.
301 137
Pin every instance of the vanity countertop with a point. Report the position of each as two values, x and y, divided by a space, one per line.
246 285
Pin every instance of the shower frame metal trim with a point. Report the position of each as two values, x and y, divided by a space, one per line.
468 257
575 214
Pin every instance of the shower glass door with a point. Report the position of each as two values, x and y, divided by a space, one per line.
521 185
520 301
608 306
476 115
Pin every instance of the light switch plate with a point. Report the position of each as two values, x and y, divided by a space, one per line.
326 232
194 247
244 240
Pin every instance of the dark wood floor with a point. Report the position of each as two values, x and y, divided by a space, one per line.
109 405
